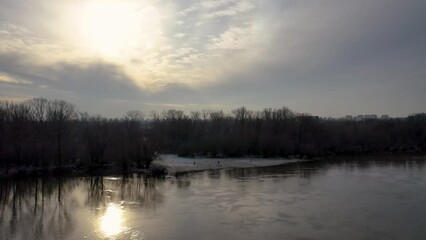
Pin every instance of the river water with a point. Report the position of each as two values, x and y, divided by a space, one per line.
356 199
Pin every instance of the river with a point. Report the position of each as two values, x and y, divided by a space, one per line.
354 199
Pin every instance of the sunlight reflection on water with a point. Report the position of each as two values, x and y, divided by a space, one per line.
112 222
317 200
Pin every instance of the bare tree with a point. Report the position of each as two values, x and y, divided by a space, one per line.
135 116
60 114
38 108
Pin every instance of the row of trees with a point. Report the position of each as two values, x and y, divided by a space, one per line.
40 132
43 133
282 132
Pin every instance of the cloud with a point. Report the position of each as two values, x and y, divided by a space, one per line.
97 87
331 57
95 79
5 78
236 38
237 8
164 60
219 8
180 35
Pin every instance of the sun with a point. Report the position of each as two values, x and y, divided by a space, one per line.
112 28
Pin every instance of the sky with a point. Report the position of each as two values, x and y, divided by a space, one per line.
327 58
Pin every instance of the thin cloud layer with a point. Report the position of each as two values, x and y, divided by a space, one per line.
324 57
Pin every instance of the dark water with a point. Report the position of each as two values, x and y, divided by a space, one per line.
370 199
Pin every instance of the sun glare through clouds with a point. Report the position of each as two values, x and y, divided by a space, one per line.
114 28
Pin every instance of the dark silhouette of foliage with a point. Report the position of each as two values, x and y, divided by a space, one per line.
283 133
44 133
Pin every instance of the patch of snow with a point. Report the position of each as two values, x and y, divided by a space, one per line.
174 164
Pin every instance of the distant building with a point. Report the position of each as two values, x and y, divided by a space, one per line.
359 117
364 117
370 117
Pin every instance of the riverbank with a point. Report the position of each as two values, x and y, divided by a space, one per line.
165 164
170 164
73 171
175 164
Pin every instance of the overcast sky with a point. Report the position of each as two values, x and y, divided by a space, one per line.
327 58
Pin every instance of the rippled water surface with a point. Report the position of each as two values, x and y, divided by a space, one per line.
369 199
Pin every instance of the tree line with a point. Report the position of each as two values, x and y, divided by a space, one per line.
41 132
283 133
44 133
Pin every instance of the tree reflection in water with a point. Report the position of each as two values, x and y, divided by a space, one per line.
294 199
30 206
45 208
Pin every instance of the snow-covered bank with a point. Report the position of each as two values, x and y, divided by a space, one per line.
176 164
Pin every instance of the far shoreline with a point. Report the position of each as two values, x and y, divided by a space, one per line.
159 168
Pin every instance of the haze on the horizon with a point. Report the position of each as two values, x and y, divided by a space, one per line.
328 58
